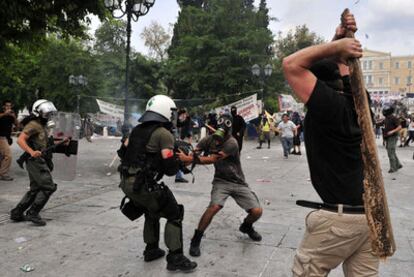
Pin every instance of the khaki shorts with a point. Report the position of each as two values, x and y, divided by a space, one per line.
331 239
242 194
403 132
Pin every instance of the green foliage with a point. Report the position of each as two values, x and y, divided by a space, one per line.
213 49
295 40
109 48
29 21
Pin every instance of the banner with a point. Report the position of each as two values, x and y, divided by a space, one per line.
288 103
246 107
114 110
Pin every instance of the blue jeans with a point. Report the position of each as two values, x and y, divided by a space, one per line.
179 175
287 144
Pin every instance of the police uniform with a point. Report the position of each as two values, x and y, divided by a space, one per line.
142 169
39 170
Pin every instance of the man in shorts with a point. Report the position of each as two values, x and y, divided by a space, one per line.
221 149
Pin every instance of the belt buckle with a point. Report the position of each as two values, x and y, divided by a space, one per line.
340 209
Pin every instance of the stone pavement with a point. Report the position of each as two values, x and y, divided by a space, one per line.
86 234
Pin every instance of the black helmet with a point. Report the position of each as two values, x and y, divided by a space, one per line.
388 110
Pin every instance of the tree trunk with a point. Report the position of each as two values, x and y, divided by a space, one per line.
375 200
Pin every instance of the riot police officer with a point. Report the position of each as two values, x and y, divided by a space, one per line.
33 140
146 156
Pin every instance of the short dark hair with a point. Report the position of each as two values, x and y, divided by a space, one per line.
7 101
326 70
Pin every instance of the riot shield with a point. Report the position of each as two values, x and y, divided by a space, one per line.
67 125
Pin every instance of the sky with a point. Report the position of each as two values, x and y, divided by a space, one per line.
383 25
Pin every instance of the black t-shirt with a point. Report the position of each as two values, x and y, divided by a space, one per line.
391 122
239 125
6 124
332 139
403 123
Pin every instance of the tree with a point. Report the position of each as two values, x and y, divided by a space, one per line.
109 47
157 40
30 21
295 40
213 49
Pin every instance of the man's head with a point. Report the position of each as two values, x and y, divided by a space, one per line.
160 108
224 125
233 111
327 71
44 110
285 117
388 111
7 105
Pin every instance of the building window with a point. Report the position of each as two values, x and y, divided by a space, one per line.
365 65
409 64
369 79
409 79
370 65
380 81
396 81
397 65
381 65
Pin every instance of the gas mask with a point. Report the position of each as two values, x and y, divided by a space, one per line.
224 124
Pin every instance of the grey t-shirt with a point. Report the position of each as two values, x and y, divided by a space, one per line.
287 129
229 169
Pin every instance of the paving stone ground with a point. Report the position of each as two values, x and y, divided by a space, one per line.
86 235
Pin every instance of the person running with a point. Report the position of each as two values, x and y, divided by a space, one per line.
288 131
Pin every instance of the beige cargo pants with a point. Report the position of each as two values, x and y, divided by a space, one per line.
331 239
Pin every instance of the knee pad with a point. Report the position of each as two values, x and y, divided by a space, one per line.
176 214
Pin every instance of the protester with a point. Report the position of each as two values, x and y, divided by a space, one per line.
379 123
337 232
410 132
7 120
404 130
296 139
239 126
221 149
391 130
264 131
288 131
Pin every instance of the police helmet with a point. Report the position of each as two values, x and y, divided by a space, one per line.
43 108
160 108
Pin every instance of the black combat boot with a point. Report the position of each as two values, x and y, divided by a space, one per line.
195 243
33 215
153 252
177 261
17 214
248 229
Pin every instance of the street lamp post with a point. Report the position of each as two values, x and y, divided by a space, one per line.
262 75
133 9
78 81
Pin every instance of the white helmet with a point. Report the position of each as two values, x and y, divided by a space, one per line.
43 108
160 108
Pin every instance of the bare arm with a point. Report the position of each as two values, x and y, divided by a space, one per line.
22 142
296 66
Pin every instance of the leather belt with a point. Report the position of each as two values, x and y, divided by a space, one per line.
338 208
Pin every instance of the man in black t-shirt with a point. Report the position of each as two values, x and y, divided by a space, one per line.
338 231
239 126
7 120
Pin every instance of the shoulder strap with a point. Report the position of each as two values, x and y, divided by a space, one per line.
138 140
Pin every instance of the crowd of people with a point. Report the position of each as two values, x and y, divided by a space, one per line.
336 230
